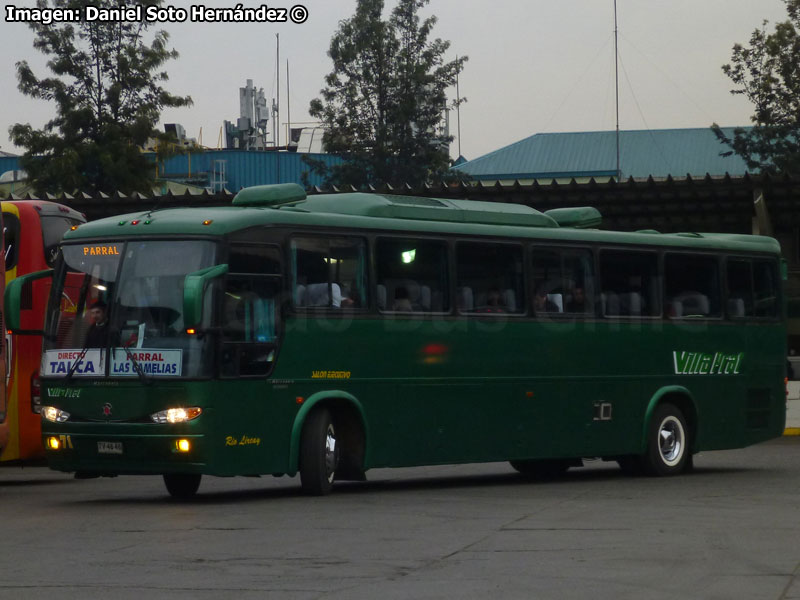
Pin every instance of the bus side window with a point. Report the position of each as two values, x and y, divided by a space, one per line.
691 286
249 325
10 239
629 283
489 278
249 307
739 288
547 281
412 275
563 281
329 272
765 283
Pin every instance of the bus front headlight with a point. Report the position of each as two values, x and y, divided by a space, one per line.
54 415
177 415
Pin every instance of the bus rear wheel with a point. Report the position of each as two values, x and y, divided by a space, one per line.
319 453
182 485
667 443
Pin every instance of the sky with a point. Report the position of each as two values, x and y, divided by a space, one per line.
535 66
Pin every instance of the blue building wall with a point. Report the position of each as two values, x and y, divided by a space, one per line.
242 168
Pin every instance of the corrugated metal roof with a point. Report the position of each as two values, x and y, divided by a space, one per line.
657 153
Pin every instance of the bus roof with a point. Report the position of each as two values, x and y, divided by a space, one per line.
46 208
361 211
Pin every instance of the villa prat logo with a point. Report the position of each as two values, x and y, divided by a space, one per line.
701 363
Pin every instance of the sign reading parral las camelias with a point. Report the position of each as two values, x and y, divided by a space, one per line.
703 363
151 362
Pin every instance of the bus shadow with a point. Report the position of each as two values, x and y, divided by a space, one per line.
15 483
291 489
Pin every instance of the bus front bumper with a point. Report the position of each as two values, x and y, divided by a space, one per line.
130 454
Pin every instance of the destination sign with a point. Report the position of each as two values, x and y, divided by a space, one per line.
61 362
102 250
155 361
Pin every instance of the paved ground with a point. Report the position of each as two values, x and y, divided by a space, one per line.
729 530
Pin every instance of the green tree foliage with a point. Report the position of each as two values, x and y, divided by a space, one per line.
384 100
106 89
767 73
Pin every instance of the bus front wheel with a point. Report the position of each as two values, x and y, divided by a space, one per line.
319 453
667 443
182 485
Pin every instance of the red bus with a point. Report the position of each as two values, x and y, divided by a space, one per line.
32 230
3 364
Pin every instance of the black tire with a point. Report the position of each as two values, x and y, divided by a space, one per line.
182 485
319 453
668 444
541 469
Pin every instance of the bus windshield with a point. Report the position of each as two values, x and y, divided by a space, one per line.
117 310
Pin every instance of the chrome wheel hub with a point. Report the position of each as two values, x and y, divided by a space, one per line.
671 441
330 453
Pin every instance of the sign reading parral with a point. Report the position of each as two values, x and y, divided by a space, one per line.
101 250
704 363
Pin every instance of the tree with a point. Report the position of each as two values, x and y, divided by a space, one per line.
106 87
767 73
384 100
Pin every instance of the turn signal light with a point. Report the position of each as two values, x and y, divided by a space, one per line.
183 445
53 443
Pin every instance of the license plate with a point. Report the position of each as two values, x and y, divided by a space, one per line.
109 447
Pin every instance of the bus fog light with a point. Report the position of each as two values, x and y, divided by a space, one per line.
53 443
183 445
176 415
54 415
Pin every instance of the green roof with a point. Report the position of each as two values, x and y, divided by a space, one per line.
656 153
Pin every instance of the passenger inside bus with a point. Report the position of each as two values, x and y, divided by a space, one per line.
402 301
576 302
544 302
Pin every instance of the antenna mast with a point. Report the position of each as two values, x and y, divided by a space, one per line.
278 93
458 112
616 84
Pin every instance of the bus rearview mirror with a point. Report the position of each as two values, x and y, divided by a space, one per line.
14 295
194 288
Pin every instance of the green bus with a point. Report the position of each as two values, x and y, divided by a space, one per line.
330 334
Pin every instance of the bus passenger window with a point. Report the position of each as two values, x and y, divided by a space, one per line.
740 288
691 286
765 281
412 275
489 278
629 284
329 272
752 288
563 281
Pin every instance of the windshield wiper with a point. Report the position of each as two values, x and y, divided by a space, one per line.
74 365
136 366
